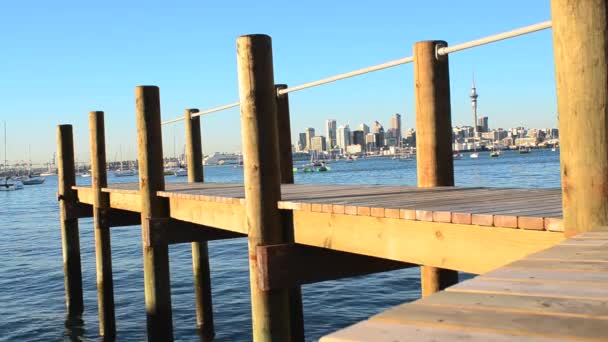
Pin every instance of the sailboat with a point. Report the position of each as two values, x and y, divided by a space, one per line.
30 178
10 184
122 172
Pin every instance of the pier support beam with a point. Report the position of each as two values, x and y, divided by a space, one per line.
70 239
580 45
200 253
433 139
101 203
270 309
286 167
151 179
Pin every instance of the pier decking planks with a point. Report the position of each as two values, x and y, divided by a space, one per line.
409 224
509 208
552 295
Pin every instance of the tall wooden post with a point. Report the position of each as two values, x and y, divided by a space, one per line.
200 253
286 166
101 203
270 309
580 45
433 139
151 179
70 240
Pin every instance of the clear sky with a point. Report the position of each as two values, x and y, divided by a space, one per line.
61 59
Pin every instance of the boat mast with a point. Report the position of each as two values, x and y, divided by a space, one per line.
5 158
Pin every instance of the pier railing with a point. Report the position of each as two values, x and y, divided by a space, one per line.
266 137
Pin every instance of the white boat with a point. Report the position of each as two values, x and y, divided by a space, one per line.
30 180
181 172
474 155
222 158
10 184
124 173
456 155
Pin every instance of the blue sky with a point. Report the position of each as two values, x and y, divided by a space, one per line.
62 59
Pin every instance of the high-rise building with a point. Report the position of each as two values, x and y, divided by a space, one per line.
310 132
343 137
363 127
301 141
358 138
396 125
378 131
330 131
318 143
370 142
482 124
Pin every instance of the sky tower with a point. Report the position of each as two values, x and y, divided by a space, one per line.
474 105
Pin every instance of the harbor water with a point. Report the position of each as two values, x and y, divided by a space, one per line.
32 304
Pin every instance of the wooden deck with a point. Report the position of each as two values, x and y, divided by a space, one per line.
467 229
558 294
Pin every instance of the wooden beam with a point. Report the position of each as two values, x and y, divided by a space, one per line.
70 237
580 47
213 214
289 265
458 247
76 210
171 231
435 165
270 309
151 180
121 218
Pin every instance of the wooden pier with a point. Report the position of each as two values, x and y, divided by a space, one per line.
543 273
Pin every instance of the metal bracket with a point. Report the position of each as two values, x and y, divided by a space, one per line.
438 46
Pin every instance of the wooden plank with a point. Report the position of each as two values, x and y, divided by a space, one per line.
84 194
573 253
217 215
524 304
125 201
496 321
378 331
542 289
424 243
172 231
289 265
482 219
526 222
561 265
506 221
547 275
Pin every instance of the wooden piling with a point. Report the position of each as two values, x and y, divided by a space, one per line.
151 179
433 139
200 253
580 45
286 168
70 240
270 309
101 203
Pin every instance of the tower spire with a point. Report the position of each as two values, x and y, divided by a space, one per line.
474 96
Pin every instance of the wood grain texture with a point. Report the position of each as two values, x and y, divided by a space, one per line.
580 48
465 248
70 236
261 164
101 204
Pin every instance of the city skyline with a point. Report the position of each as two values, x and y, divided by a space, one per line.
59 67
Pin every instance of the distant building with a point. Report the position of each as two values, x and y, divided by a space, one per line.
482 124
396 125
370 142
354 149
391 137
302 141
310 132
363 127
330 132
318 143
378 131
343 137
358 138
